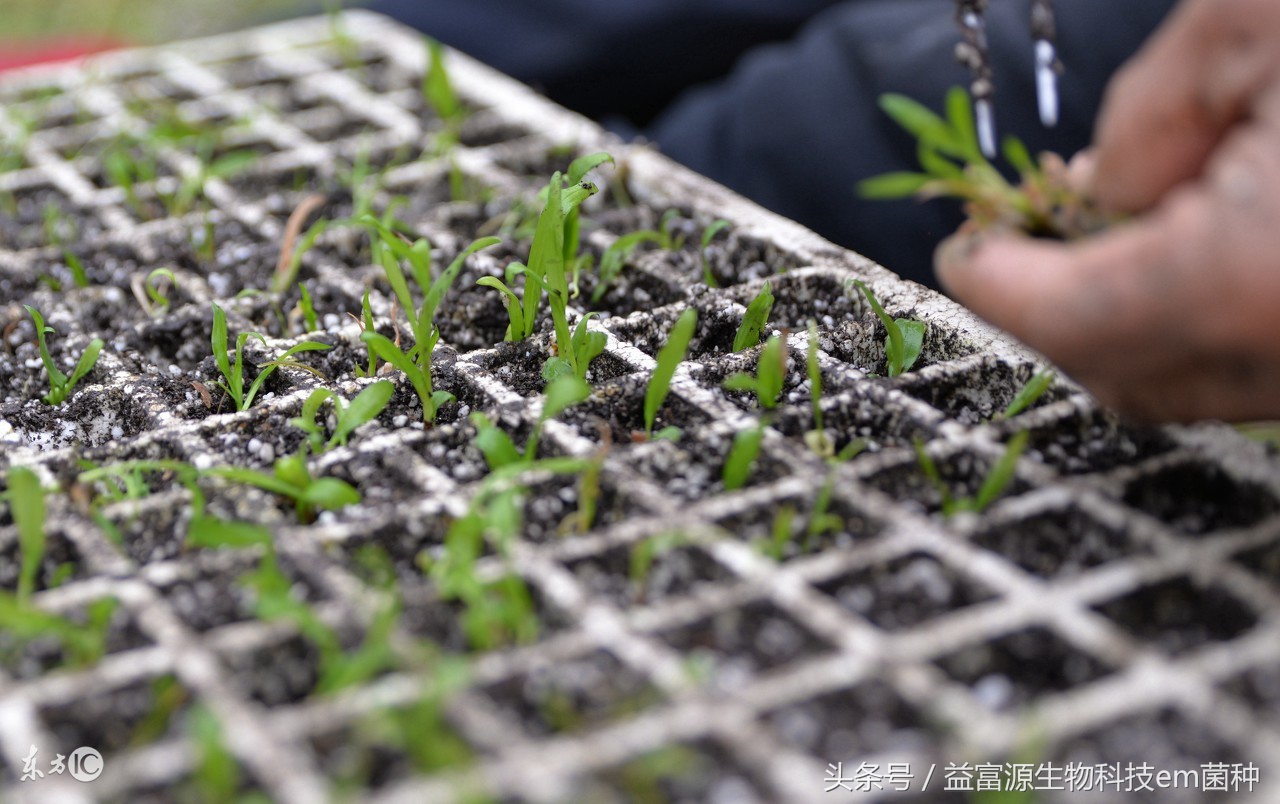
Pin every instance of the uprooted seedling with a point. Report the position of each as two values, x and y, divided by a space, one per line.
1043 202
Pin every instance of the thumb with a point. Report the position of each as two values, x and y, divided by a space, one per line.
1090 305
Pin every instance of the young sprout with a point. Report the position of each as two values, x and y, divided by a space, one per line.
993 485
308 309
366 325
670 356
290 478
754 321
616 255
26 506
1044 203
363 409
78 273
497 447
709 234
60 385
154 295
771 373
742 457
816 439
232 381
438 92
415 364
552 256
1030 393
646 551
83 643
904 339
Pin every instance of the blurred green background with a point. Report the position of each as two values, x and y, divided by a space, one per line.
23 23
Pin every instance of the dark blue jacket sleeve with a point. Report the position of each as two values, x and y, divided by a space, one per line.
796 125
624 59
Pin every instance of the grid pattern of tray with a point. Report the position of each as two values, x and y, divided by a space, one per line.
1115 606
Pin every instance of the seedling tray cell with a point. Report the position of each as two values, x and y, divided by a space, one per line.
695 640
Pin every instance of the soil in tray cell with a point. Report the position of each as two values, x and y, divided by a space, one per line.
905 592
678 774
1179 615
808 527
619 575
572 695
32 658
1093 442
34 217
1165 740
140 713
870 718
1197 498
976 395
1012 671
1058 544
731 647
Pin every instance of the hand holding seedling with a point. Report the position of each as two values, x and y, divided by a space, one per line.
1171 315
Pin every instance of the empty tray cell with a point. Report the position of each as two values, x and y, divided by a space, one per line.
845 725
572 695
680 774
649 571
1199 497
1259 688
804 296
1091 442
112 721
974 395
865 412
1264 561
1012 672
1166 740
89 418
42 215
285 671
732 646
1059 544
905 592
963 473
1179 615
619 404
237 260
327 123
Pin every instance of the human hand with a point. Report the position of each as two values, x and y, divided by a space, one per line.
1175 313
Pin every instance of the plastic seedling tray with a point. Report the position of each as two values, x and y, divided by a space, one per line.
1114 605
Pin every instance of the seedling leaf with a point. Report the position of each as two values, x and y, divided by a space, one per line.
26 505
755 319
669 358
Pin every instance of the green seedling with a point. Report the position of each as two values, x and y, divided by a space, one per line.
126 163
76 267
993 485
366 325
580 521
552 256
363 409
388 251
60 385
291 479
585 345
82 643
816 439
497 447
616 256
1044 203
438 92
709 234
670 356
755 320
216 775
781 533
308 309
742 457
1030 393
646 551
232 381
168 697
58 227
26 506
771 373
905 337
158 284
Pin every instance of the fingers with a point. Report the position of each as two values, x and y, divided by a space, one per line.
1090 306
1168 109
